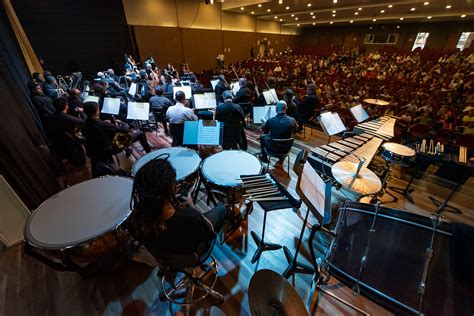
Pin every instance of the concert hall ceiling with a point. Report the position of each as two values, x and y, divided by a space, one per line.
345 12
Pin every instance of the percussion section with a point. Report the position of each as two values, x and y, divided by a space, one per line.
382 127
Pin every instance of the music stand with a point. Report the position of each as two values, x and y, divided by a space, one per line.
331 124
186 89
206 100
261 114
138 111
111 106
203 132
359 113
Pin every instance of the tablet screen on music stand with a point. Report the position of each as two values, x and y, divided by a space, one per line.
359 113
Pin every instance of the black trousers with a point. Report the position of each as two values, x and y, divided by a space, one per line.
216 217
140 136
264 143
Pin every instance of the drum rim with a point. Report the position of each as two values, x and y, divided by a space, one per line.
40 245
398 154
176 147
226 185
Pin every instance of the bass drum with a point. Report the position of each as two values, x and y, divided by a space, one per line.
395 260
81 228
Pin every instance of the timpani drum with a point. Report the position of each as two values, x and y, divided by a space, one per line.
184 160
82 225
222 171
397 153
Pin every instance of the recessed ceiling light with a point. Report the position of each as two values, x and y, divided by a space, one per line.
276 17
351 21
412 9
398 26
331 22
241 8
309 4
426 3
280 1
268 10
333 11
382 11
333 15
448 6
260 5
360 9
296 19
311 13
252 12
297 25
390 5
401 19
334 1
357 13
463 16
314 23
281 20
428 17
292 15
374 20
314 17
288 8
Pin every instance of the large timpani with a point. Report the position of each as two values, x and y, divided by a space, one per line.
184 160
82 224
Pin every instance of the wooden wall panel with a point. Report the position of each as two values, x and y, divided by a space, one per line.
239 44
201 48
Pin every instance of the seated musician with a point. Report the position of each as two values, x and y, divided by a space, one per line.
244 95
179 113
307 106
289 97
42 103
159 105
50 87
75 104
232 116
99 135
221 86
60 120
280 126
162 222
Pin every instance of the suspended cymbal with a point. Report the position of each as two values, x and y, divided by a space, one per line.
376 101
271 294
366 182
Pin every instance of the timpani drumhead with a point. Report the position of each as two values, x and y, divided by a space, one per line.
184 160
226 167
399 149
80 213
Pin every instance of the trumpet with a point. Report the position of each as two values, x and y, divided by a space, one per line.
62 86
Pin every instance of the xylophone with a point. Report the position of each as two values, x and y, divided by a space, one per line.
382 127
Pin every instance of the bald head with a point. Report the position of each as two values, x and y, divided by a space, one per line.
280 107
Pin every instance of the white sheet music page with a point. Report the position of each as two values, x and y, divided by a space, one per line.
338 123
313 187
138 111
133 89
111 106
208 135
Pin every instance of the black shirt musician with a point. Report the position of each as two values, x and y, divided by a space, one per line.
232 116
220 88
280 126
244 95
308 105
99 135
42 103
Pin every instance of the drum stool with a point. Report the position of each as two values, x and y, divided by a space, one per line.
188 279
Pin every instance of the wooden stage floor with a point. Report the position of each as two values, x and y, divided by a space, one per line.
27 287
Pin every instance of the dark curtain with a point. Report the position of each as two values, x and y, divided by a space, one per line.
25 160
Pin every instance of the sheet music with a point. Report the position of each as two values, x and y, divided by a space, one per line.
338 122
359 113
270 96
202 133
91 98
205 101
314 188
261 114
138 111
186 89
214 83
331 123
111 106
133 89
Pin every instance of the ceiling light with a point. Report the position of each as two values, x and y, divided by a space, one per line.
276 17
357 13
333 11
280 1
426 3
260 5
334 1
309 4
331 22
463 16
382 11
296 19
333 15
448 6
314 17
252 12
428 17
314 23
292 15
360 9
390 5
401 19
351 21
241 8
412 9
288 8
374 20
268 10
311 13
398 26
281 20
297 25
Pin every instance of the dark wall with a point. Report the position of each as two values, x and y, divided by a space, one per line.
85 35
443 35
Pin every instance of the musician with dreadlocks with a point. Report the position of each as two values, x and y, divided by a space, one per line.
160 221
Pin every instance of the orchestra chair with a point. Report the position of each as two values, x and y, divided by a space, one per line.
177 132
247 108
187 279
160 116
279 148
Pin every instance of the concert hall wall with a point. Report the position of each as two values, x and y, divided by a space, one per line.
443 35
70 35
